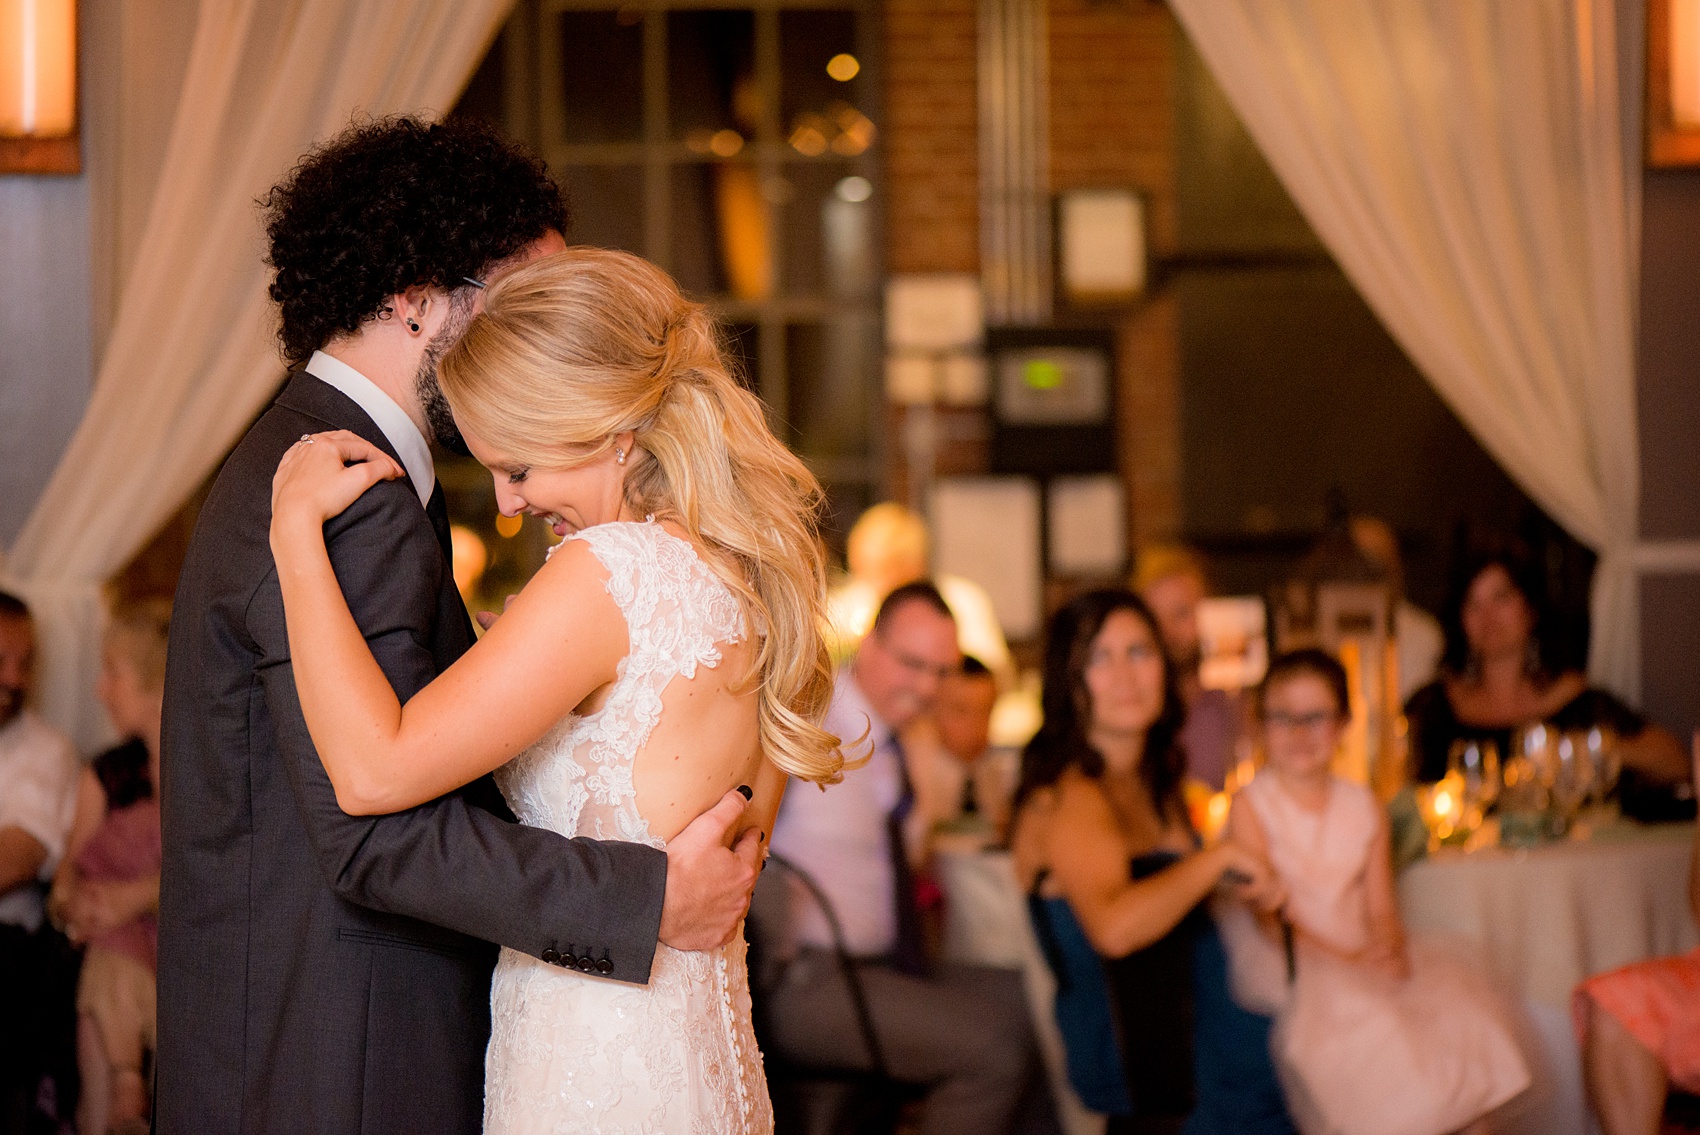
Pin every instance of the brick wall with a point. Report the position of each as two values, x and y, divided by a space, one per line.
1113 105
1112 124
931 149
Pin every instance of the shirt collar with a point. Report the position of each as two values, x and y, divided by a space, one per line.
409 443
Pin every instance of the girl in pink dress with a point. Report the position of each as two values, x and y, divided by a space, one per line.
1373 1036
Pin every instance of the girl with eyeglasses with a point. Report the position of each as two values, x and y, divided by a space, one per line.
1373 1035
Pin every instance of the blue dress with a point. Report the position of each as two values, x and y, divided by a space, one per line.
1157 1033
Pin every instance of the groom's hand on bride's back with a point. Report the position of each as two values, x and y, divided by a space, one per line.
709 880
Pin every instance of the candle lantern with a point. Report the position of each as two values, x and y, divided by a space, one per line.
38 86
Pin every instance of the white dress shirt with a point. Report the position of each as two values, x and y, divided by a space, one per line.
941 782
839 836
410 445
38 795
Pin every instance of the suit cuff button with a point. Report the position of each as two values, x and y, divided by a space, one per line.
587 964
550 956
605 967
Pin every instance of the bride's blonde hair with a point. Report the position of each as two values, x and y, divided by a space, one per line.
582 345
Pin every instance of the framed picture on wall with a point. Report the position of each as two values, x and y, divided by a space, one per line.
1673 83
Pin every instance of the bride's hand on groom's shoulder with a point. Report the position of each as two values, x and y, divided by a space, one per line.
322 474
487 619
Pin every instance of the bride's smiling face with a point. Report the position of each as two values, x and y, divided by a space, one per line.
566 499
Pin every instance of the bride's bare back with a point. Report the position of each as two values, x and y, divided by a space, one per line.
706 739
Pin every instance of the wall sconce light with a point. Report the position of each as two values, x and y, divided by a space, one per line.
1673 83
38 87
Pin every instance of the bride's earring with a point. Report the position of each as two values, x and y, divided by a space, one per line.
619 456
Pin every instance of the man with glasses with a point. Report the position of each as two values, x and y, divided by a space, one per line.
960 1032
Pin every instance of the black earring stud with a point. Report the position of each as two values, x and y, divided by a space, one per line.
412 326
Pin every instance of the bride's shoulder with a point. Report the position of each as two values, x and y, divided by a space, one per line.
574 563
623 545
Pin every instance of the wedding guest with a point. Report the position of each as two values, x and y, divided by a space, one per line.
1416 633
1116 880
961 1032
1372 1033
1498 676
962 781
1171 580
38 784
1640 1028
888 547
106 894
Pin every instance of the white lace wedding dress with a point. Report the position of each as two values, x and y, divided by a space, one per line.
575 1052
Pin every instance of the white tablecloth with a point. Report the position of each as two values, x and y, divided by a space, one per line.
1543 920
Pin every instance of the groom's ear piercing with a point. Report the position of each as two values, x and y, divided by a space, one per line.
412 326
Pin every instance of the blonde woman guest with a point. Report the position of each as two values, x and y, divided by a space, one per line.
888 547
670 650
106 894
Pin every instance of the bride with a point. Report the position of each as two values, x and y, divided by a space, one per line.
667 652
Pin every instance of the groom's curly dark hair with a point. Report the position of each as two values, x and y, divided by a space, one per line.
391 203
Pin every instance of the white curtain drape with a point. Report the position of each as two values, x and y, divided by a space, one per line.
1466 165
191 358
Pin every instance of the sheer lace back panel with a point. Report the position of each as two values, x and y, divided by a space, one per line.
578 780
575 1052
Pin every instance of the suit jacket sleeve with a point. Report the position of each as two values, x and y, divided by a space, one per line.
447 862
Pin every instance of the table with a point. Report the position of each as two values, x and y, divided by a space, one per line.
1542 920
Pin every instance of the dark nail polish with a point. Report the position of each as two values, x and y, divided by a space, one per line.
745 789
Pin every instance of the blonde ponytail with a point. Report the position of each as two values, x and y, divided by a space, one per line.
585 344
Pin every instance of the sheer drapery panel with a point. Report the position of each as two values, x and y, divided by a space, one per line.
191 358
1466 165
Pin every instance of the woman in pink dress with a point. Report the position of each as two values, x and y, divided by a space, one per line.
1373 1036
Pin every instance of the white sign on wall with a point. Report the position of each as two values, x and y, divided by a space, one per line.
987 529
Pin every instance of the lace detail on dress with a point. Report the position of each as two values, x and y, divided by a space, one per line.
570 1052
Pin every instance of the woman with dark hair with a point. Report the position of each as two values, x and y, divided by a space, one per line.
1498 676
1115 875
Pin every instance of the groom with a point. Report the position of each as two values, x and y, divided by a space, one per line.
326 973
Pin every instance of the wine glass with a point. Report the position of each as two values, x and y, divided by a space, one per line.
1536 744
1573 777
1527 794
1601 743
1476 763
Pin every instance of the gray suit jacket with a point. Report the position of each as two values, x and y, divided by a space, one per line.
321 972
